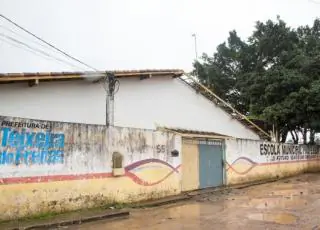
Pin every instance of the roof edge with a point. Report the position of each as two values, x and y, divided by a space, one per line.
12 77
187 133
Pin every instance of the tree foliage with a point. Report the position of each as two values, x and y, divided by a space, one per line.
274 75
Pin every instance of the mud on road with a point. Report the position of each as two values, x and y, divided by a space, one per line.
286 204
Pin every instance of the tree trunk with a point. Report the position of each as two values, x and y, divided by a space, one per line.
304 133
312 137
272 134
277 136
284 135
295 136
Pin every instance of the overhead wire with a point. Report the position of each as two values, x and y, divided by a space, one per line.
47 43
26 38
115 82
23 48
36 50
227 104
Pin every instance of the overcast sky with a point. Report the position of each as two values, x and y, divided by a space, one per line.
134 34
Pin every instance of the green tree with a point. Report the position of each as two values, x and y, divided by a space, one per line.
273 76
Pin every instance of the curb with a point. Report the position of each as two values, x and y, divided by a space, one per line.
242 186
224 188
205 191
164 201
113 215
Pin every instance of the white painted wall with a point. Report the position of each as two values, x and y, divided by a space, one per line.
252 160
68 101
87 149
262 152
138 103
169 102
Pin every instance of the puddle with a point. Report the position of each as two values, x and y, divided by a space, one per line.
249 208
267 202
277 203
290 192
282 218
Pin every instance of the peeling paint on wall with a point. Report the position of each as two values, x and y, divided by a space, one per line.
249 160
82 176
29 147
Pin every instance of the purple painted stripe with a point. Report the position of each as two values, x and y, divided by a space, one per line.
142 162
244 158
88 176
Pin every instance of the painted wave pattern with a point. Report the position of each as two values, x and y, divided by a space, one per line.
129 171
242 160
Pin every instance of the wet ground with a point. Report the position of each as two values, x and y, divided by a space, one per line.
287 204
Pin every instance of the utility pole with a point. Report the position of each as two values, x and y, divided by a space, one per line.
109 83
195 45
196 52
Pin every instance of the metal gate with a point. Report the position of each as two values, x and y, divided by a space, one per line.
210 164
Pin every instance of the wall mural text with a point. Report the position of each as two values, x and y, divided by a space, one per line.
29 125
24 146
282 152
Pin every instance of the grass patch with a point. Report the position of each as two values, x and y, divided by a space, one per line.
65 214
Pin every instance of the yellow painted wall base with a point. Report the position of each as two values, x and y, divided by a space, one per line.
241 173
22 200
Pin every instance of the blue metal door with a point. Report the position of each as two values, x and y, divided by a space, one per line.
210 165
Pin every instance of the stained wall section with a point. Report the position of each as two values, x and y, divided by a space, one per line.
249 160
54 166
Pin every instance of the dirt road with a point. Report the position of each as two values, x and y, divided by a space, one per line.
287 204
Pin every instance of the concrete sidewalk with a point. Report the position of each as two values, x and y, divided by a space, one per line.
65 219
84 216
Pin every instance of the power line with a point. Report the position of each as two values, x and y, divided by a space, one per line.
109 80
23 48
36 50
42 40
31 50
20 47
24 37
52 46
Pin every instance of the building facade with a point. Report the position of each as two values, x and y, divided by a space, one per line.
48 166
57 154
144 99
